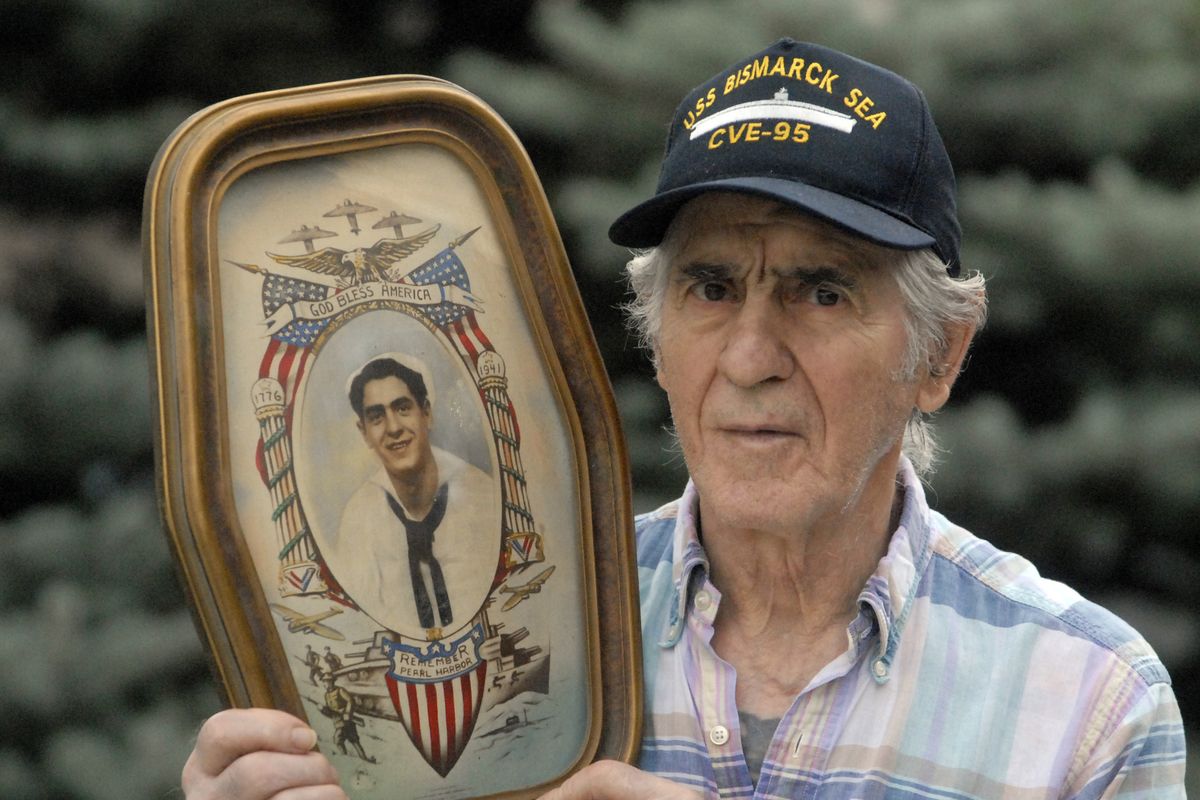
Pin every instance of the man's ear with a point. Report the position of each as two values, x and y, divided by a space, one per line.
939 379
656 360
361 429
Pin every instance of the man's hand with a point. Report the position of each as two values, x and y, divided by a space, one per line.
256 754
612 780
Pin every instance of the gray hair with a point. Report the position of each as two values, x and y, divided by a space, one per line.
933 300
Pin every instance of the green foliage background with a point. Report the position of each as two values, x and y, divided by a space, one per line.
1074 437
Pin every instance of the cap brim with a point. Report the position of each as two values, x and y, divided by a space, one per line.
645 224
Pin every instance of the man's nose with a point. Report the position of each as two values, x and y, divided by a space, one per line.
392 423
755 348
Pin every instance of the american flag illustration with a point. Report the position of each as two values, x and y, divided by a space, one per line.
444 268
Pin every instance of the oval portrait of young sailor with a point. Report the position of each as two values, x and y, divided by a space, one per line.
394 459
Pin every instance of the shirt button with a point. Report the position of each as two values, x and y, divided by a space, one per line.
879 668
703 601
719 735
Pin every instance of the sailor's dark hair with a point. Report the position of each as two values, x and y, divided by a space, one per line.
382 368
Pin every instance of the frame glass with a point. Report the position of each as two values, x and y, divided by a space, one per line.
389 458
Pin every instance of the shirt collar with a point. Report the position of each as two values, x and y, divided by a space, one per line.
690 563
887 596
890 591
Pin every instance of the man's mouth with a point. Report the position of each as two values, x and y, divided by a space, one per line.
766 432
766 428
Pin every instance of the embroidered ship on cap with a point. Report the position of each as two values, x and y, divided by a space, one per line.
779 107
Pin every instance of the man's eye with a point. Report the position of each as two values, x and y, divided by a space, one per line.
825 296
712 291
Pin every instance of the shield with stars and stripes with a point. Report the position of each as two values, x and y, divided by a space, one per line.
438 713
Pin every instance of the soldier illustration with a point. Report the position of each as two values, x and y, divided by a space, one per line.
332 662
313 662
339 705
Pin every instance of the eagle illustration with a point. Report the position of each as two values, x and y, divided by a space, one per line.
362 263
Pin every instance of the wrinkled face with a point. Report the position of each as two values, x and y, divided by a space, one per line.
780 348
395 427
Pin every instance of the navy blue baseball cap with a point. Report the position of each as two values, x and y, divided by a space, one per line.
829 134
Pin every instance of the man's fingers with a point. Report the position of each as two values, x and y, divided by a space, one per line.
230 734
256 754
265 774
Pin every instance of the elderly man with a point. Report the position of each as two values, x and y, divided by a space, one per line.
811 628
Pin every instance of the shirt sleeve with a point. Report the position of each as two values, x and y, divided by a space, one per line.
1144 756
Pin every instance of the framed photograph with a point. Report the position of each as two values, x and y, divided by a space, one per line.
389 458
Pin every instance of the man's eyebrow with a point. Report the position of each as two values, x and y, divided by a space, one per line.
705 270
809 275
815 275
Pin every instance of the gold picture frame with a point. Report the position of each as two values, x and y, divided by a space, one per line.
389 458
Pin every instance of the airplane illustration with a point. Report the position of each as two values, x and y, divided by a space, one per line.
310 623
523 591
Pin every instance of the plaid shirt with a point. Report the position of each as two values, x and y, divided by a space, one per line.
966 675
